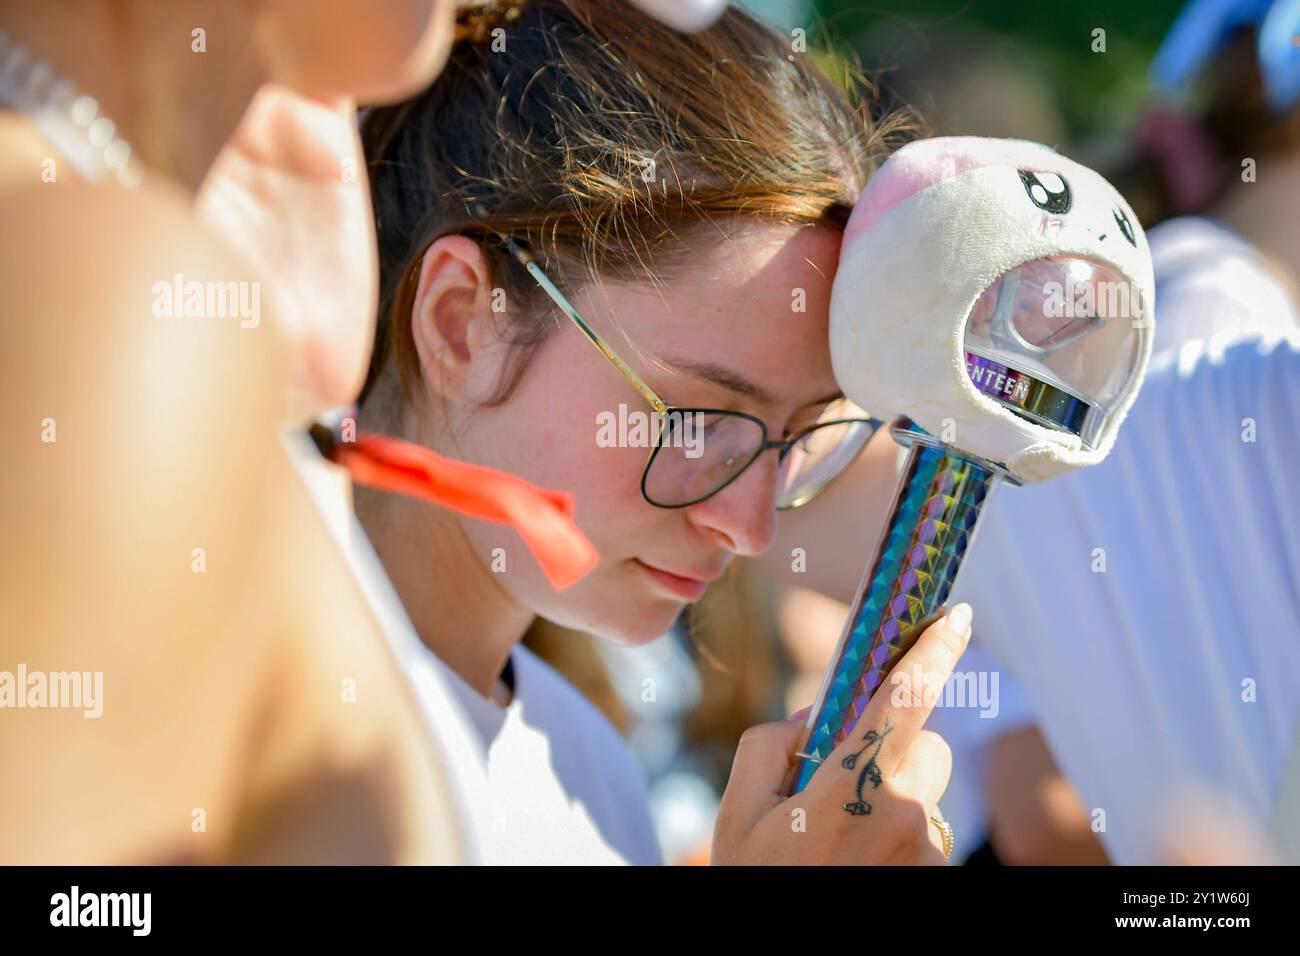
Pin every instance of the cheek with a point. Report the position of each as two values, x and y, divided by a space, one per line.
553 431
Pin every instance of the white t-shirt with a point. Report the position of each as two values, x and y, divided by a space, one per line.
1178 665
564 787
547 780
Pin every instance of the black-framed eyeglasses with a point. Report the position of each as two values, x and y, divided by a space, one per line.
699 451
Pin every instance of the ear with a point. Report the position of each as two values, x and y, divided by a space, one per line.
449 315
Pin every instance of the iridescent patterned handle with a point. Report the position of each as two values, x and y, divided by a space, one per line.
935 514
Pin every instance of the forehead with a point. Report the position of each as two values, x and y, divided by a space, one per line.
752 266
755 297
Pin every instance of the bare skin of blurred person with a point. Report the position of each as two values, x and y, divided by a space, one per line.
156 530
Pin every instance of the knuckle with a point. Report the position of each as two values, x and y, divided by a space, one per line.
904 842
759 732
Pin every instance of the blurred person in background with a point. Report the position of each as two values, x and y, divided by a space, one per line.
1197 592
1166 581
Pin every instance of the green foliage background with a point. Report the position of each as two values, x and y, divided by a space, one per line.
1097 93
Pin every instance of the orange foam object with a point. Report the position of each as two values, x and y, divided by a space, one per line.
542 516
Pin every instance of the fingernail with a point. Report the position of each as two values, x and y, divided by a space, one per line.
799 714
959 618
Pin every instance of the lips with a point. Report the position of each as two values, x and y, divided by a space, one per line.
682 586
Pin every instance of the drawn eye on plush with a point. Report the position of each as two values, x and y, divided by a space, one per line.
1125 227
1047 191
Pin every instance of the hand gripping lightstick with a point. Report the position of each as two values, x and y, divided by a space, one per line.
996 299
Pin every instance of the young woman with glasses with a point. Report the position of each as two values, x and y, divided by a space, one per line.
590 214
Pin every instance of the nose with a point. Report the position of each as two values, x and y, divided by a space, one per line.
742 516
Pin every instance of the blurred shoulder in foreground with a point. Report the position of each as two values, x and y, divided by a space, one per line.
188 672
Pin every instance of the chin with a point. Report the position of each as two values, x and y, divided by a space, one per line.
649 626
626 623
622 608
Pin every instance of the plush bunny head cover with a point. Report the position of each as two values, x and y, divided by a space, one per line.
938 224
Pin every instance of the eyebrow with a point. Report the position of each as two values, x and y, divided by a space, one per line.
735 382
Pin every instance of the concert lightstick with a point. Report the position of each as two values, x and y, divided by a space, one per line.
995 299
